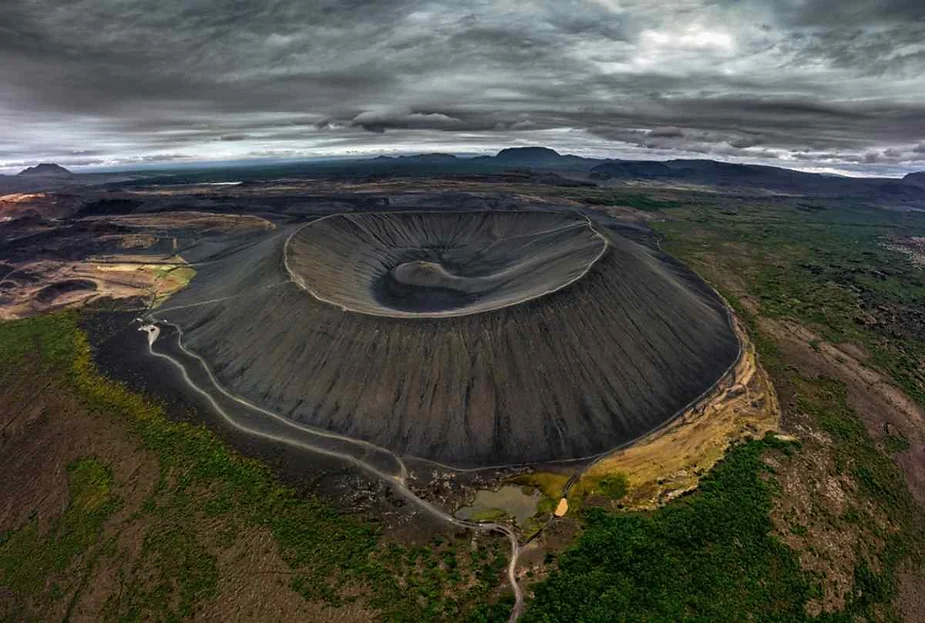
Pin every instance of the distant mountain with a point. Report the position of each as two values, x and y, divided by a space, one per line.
46 169
536 158
512 158
710 173
545 165
527 154
916 178
746 177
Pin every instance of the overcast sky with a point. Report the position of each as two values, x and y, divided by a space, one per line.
812 84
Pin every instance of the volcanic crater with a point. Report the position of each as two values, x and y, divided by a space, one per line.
440 264
471 339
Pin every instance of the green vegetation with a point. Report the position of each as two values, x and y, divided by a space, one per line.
890 521
30 555
834 273
832 270
894 444
708 557
551 484
878 477
613 486
202 482
488 514
169 279
616 197
712 555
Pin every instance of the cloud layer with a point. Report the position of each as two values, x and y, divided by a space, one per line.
802 83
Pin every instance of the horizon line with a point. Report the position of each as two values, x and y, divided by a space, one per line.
184 164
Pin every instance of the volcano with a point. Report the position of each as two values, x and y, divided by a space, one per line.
470 339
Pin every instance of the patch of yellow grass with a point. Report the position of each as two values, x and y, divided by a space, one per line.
550 483
669 462
130 267
159 279
116 277
170 281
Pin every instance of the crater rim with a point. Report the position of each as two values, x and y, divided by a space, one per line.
384 311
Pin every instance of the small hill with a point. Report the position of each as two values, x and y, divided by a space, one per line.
527 154
46 169
915 178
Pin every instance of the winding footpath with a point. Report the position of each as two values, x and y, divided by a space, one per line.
397 481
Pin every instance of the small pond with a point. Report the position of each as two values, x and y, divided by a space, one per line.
511 500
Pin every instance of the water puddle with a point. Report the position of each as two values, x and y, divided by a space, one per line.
508 501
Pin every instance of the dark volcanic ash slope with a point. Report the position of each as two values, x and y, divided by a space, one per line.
469 339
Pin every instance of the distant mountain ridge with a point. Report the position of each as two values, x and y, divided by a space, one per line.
703 171
543 165
712 173
541 157
534 165
46 169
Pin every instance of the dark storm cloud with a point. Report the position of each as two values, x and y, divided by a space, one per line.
852 14
812 82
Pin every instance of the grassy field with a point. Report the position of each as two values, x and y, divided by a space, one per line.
829 267
708 557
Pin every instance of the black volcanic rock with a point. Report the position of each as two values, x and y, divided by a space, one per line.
46 169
